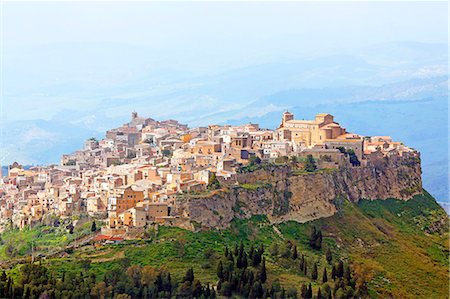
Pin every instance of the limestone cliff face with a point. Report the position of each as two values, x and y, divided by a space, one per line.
283 194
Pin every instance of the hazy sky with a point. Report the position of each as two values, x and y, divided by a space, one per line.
54 50
237 28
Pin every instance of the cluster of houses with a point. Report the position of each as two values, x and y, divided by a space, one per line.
133 176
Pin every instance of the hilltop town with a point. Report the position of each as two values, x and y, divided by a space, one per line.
136 175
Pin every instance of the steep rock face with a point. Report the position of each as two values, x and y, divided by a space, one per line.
283 194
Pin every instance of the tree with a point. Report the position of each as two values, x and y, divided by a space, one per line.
135 273
309 294
324 275
353 158
319 294
189 276
326 290
304 291
93 226
261 249
263 272
318 243
295 253
70 227
340 269
257 290
256 258
302 263
241 248
329 256
185 290
255 160
230 257
213 183
333 272
310 165
244 260
220 270
347 273
314 272
315 239
291 293
197 289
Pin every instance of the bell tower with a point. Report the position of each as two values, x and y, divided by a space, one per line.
287 116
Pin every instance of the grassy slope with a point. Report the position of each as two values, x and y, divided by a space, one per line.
389 239
385 240
42 238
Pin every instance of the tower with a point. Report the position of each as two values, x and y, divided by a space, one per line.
287 116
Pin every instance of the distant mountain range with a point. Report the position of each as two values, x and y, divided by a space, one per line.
397 89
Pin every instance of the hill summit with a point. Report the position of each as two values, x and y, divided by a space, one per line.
160 210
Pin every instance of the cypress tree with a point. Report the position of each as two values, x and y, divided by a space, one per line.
220 270
197 289
314 273
207 291
251 252
318 241
226 251
261 249
295 254
93 226
333 272
3 276
304 291
329 256
329 296
312 237
256 258
169 283
263 273
340 269
159 282
239 261
230 257
244 260
347 273
272 291
302 263
324 275
309 291
257 289
319 294
251 278
189 276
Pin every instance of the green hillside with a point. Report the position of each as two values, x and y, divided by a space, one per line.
399 248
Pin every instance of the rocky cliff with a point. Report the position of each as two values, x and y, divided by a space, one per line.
283 193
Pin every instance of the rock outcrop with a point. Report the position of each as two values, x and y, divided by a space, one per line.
283 193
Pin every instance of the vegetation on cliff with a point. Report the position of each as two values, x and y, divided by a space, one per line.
399 248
